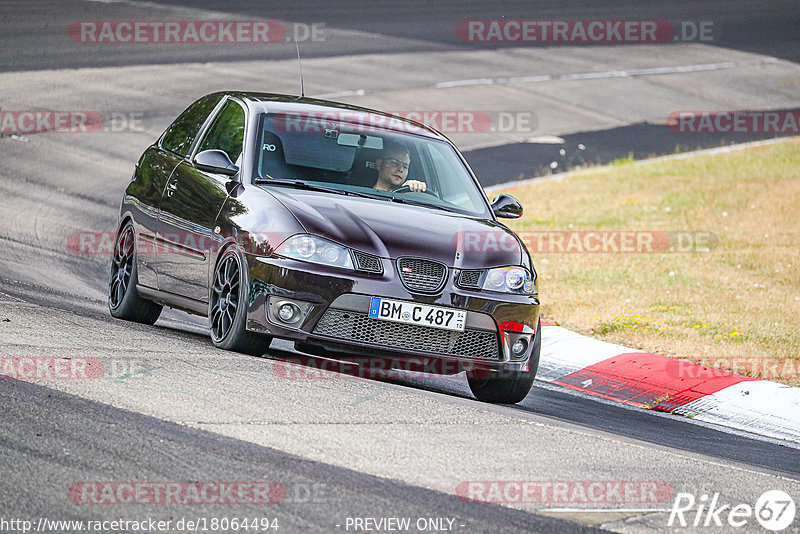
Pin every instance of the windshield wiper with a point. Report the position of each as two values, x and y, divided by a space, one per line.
299 184
401 200
302 184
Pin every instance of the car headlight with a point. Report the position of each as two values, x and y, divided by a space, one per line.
510 280
316 250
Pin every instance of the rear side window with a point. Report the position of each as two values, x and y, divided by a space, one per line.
226 133
181 134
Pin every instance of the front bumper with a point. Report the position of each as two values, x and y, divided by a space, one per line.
337 322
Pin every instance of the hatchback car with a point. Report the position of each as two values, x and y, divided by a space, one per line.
346 230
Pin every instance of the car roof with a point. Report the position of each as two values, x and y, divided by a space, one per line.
280 103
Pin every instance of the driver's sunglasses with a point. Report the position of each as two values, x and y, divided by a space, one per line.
394 162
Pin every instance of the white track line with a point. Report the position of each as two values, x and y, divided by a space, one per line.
631 73
357 92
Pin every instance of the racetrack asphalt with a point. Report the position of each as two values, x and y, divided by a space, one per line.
67 440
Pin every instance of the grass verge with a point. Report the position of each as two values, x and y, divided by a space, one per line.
727 292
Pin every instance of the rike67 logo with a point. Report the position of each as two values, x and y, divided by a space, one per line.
774 510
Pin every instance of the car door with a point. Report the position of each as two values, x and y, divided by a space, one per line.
144 196
189 207
152 174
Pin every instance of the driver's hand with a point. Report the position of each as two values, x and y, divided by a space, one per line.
416 185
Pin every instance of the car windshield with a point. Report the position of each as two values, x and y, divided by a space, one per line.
353 156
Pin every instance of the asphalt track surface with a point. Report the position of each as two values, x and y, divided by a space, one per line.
172 408
765 28
117 442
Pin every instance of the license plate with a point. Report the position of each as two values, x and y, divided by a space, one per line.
413 313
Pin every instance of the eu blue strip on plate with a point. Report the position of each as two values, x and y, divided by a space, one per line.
374 306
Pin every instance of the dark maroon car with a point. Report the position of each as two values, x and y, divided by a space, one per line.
352 232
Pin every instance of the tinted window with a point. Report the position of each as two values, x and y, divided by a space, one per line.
447 165
181 134
344 155
227 131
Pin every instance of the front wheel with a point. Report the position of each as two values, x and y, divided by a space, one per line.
124 301
508 387
227 313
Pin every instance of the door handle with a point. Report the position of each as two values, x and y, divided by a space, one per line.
172 187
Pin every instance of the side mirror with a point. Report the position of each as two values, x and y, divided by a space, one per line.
506 207
215 161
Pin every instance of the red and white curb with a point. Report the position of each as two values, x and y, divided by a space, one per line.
655 382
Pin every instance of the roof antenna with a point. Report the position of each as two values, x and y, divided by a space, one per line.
302 90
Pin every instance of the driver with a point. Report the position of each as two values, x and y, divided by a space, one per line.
392 169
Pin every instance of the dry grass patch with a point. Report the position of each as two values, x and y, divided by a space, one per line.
735 307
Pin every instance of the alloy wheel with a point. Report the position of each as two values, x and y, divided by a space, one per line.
121 267
224 297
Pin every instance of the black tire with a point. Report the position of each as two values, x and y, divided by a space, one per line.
124 301
227 308
508 387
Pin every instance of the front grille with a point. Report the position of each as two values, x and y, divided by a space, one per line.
368 262
361 328
470 279
421 275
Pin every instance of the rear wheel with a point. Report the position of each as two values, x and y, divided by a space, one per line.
227 313
508 387
124 301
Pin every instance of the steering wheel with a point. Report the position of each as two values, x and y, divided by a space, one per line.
407 189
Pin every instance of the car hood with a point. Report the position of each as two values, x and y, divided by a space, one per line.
393 230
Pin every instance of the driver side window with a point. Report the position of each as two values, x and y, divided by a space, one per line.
226 132
451 191
182 132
